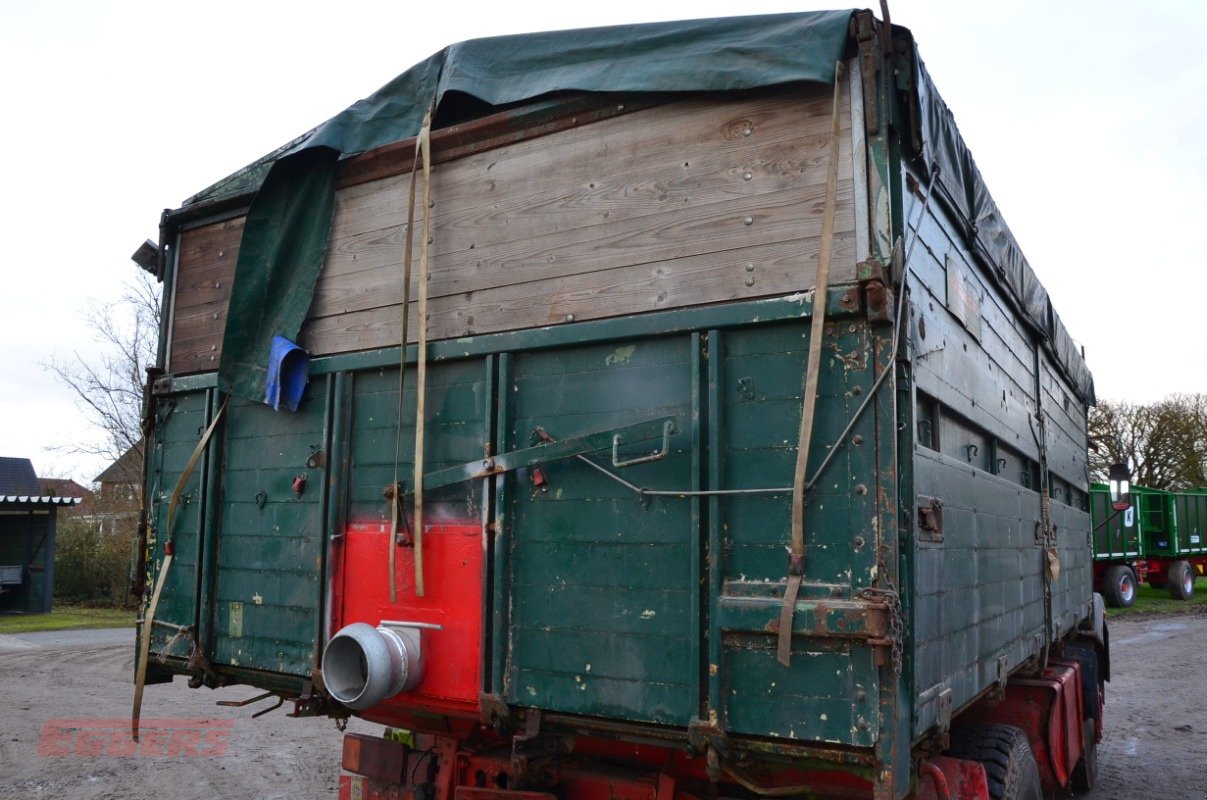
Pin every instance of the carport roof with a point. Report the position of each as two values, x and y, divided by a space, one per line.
40 500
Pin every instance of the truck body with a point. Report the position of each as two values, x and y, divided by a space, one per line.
609 328
1159 539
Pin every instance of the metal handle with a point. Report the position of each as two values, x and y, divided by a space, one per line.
667 429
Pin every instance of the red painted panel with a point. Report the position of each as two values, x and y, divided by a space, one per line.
1048 709
452 555
959 779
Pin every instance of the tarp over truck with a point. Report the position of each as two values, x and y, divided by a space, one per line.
284 239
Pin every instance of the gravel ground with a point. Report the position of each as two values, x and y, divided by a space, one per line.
1155 746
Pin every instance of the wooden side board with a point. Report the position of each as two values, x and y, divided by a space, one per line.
702 200
204 274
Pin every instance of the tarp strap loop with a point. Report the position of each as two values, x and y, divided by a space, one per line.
144 639
422 147
796 553
424 142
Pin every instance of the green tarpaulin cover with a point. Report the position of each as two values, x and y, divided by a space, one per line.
286 231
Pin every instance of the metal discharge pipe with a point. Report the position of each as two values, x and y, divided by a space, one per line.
363 665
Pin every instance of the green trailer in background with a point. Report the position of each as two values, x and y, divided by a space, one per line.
1161 538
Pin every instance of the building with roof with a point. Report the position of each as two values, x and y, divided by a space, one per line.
115 505
27 537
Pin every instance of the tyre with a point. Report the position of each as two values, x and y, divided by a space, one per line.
1085 773
1119 586
1181 580
1006 754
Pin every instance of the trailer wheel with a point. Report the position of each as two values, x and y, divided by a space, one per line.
1181 580
1005 752
1119 586
1085 774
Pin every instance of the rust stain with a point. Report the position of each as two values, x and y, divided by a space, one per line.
857 359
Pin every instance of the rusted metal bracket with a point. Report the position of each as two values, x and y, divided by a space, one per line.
876 289
702 735
930 519
532 746
943 718
495 712
256 699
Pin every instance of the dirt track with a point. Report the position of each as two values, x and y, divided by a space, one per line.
1156 745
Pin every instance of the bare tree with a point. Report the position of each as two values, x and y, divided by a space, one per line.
110 387
1165 442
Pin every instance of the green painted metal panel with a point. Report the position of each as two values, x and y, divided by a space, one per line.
182 419
589 563
456 407
760 394
1190 509
265 611
827 694
1114 536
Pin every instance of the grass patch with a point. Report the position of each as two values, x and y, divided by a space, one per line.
1158 601
67 617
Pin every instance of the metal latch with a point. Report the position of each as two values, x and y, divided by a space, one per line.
668 428
930 519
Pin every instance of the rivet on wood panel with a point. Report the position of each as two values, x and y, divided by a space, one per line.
749 267
747 176
569 318
620 106
213 347
750 281
217 284
215 315
748 221
221 253
747 130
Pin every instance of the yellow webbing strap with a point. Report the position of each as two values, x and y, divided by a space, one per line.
422 146
796 554
421 357
144 639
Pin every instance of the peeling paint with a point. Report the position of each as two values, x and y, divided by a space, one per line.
621 354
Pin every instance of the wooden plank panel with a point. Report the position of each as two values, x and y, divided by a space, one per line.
779 268
204 273
773 137
630 214
664 235
512 213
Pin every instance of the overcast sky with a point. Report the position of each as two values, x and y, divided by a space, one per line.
1086 118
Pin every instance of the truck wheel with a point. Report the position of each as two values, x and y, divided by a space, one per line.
1181 580
1085 773
1119 586
1005 752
